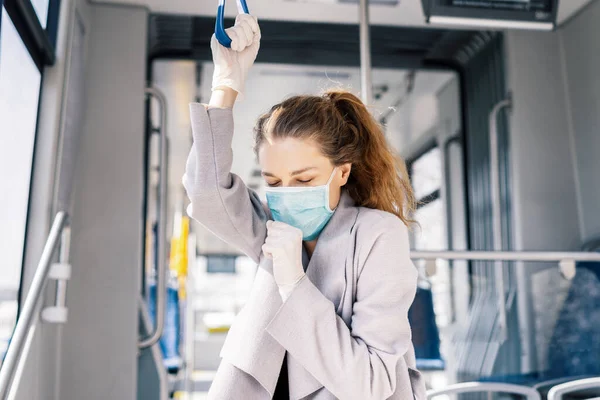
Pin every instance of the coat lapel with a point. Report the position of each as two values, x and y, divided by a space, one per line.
332 246
329 258
248 345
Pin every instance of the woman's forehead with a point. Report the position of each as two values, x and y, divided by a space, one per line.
286 155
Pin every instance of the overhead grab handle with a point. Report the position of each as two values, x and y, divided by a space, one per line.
220 33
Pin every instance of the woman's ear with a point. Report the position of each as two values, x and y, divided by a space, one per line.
345 169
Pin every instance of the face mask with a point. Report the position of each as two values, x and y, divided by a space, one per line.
306 208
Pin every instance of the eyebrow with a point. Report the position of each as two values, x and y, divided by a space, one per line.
300 171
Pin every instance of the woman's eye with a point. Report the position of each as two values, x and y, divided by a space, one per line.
272 184
305 181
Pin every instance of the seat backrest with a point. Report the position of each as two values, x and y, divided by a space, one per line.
574 348
425 333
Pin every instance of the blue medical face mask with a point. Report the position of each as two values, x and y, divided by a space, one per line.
306 208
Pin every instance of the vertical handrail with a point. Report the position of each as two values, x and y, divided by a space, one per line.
161 278
366 82
446 183
444 144
28 312
497 213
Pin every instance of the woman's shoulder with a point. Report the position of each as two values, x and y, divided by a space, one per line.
383 238
375 222
381 229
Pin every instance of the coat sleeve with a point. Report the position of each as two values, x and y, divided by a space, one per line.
219 200
357 362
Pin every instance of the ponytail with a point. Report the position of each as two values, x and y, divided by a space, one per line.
379 178
347 133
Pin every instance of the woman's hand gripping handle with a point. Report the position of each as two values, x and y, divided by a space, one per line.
232 64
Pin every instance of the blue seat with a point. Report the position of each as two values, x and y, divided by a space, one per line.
574 348
170 339
575 345
425 333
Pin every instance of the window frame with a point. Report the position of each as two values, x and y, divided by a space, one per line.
39 42
41 46
436 193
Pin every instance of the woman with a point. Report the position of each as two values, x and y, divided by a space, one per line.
327 314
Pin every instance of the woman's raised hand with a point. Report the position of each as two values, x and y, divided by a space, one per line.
232 64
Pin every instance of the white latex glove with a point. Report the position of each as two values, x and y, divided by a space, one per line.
232 64
284 246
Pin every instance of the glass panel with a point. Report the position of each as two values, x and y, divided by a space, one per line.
220 264
435 275
427 173
431 233
19 96
41 9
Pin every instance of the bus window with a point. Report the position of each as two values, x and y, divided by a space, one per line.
41 10
426 177
19 96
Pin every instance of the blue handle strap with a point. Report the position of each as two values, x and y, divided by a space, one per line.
220 33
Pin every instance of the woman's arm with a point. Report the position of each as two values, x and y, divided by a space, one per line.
358 362
223 97
219 199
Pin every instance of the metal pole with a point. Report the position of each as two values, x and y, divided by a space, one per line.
26 317
538 256
444 142
497 214
366 82
446 184
526 320
161 273
18 374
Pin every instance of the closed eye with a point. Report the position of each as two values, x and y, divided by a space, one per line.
298 182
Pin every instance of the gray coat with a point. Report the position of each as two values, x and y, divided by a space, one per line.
345 327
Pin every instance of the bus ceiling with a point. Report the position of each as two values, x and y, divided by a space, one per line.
455 14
